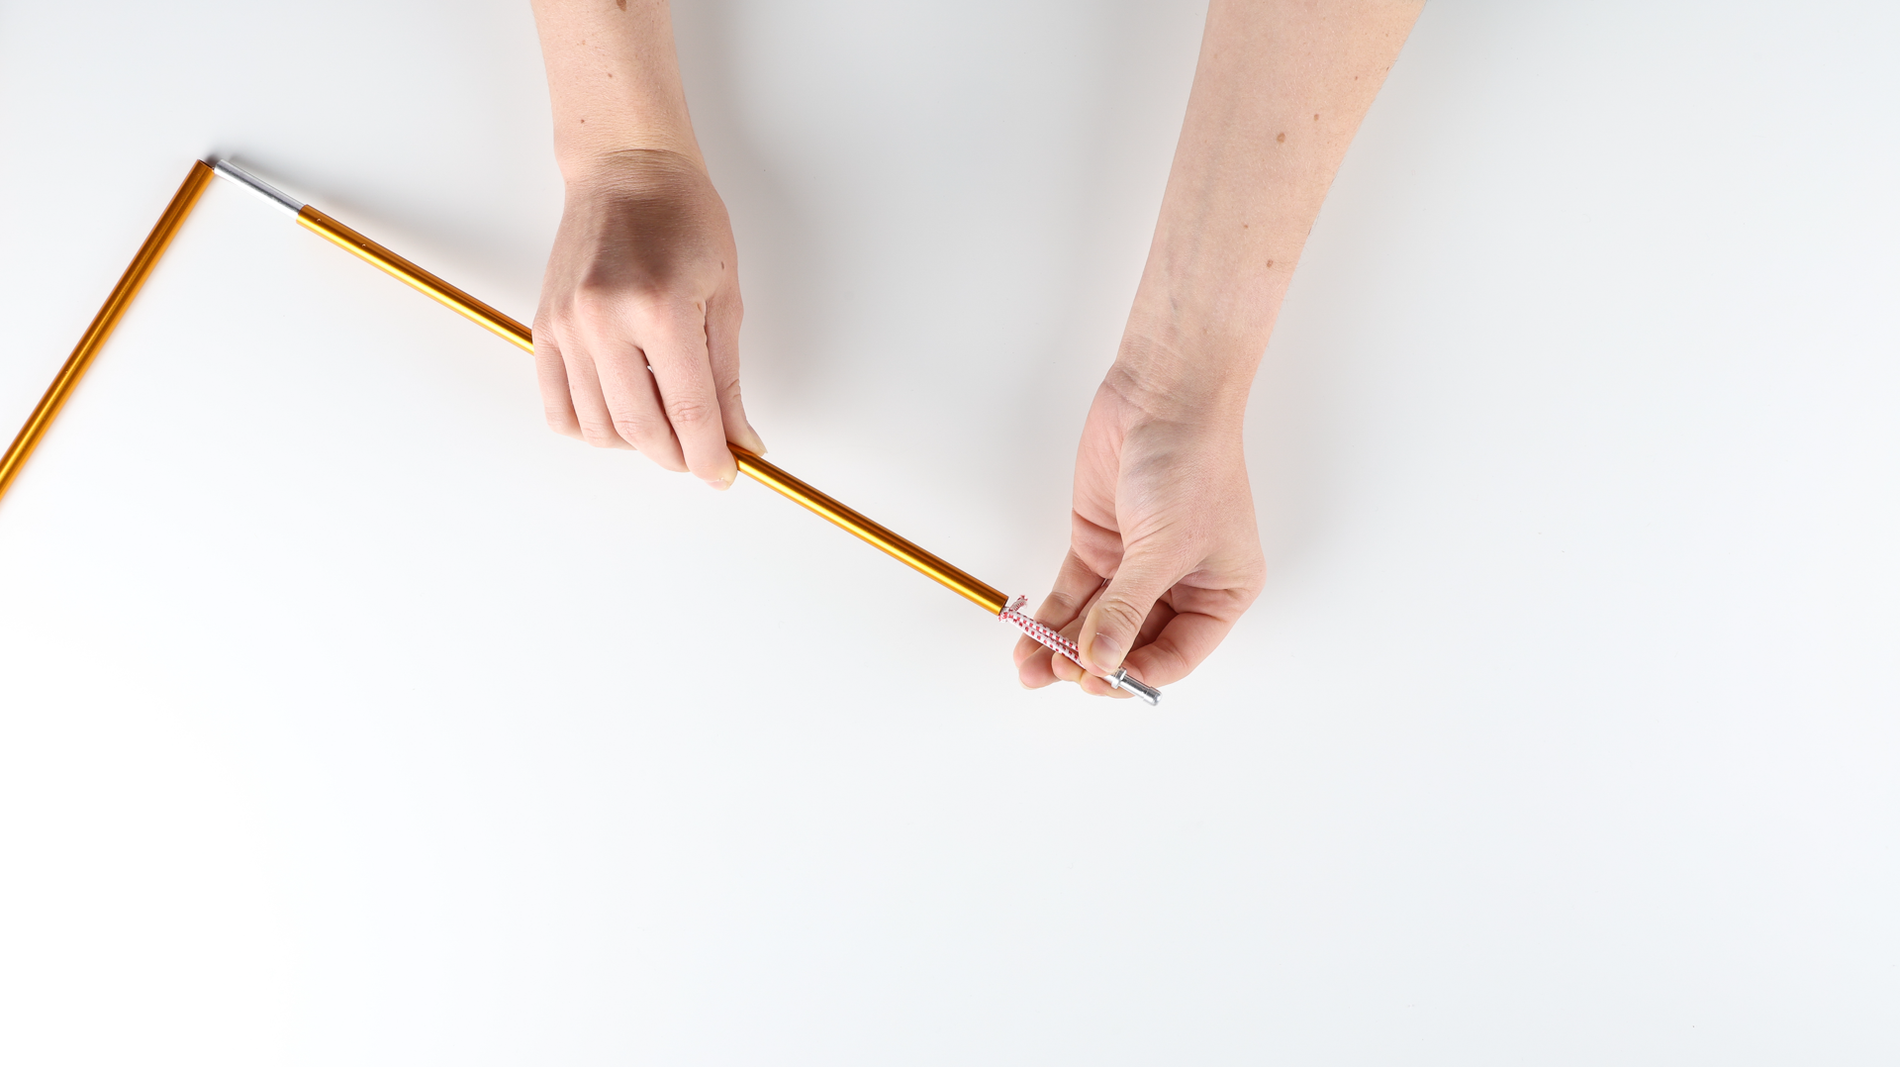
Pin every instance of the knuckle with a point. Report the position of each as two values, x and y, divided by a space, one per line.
1164 664
689 410
646 313
592 302
1056 603
640 301
1119 615
630 428
598 434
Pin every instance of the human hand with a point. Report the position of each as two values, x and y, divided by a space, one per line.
1164 555
636 341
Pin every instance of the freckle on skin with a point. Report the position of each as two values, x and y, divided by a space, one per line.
1269 264
1281 138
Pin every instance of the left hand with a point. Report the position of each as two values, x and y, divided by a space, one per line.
637 338
1165 554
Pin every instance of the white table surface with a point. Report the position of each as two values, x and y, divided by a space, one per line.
349 716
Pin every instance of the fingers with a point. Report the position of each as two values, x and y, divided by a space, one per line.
1180 646
632 402
1114 622
1068 670
551 375
629 400
723 314
1172 615
682 370
1078 590
1061 610
643 376
593 420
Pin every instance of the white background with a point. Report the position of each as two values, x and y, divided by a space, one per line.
348 716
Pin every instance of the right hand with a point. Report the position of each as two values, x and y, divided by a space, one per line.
636 342
1164 554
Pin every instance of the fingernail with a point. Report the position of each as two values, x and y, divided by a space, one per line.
1104 653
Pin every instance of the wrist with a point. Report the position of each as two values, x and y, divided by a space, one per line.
1173 374
596 160
1196 333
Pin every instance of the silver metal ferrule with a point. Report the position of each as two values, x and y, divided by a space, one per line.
232 172
1148 693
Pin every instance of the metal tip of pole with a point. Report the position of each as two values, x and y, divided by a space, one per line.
231 172
1148 693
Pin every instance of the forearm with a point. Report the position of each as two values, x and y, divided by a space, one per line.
1279 91
614 81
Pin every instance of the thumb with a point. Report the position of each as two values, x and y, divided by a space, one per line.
1114 620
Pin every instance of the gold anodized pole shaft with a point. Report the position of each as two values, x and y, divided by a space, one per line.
397 267
962 582
103 323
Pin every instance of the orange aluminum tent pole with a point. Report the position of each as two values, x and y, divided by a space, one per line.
986 596
102 324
